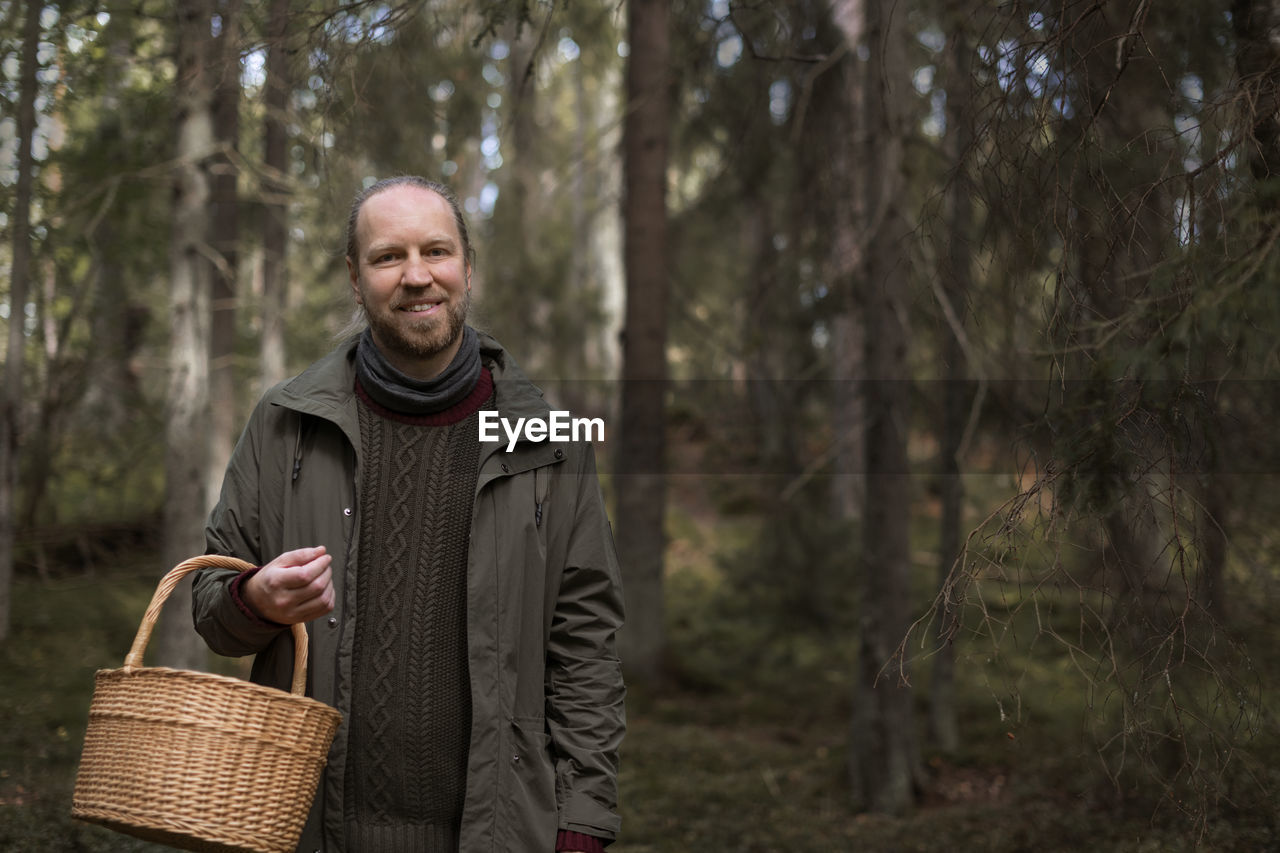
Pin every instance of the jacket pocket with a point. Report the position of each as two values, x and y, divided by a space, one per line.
529 794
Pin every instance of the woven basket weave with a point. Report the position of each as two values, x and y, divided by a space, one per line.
200 761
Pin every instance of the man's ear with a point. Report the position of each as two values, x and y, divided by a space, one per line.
353 271
468 278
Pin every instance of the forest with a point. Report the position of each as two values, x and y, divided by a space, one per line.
930 340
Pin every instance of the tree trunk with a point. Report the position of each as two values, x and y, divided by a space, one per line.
275 234
59 391
10 420
115 320
191 276
223 413
639 484
1119 236
883 759
608 268
1257 26
846 262
955 277
574 361
515 300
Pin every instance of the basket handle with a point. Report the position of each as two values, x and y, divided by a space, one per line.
167 584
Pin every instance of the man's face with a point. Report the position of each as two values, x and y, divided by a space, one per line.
411 276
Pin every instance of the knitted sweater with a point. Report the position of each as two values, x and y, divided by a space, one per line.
411 713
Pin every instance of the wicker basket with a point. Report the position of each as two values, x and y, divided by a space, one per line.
201 761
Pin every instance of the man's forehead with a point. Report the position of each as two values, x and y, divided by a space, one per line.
406 205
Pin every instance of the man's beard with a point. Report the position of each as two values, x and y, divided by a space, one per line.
421 343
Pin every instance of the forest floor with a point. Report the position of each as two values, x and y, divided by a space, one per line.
712 762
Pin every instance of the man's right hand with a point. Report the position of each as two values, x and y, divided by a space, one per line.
297 586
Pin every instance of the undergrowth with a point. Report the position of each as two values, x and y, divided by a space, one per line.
745 750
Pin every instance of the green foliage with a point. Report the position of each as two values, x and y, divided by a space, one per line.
62 633
759 736
1111 435
757 765
748 602
1168 707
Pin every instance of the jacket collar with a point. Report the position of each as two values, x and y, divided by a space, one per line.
514 395
326 390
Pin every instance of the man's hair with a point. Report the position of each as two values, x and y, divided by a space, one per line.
468 253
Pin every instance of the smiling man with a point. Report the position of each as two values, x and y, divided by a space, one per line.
462 596
412 274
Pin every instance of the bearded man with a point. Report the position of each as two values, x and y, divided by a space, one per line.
461 597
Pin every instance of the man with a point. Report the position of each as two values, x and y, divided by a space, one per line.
462 599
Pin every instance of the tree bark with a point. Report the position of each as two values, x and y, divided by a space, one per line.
191 276
883 760
1257 26
574 361
956 279
1119 236
640 483
223 414
846 263
116 321
275 242
515 300
10 415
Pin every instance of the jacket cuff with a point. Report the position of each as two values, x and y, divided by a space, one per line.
567 839
580 813
237 583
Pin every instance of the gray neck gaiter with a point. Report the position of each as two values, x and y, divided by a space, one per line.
400 393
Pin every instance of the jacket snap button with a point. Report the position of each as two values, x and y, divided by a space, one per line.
347 512
333 622
559 454
505 469
516 759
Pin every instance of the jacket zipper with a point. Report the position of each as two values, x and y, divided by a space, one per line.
338 678
350 537
297 448
541 484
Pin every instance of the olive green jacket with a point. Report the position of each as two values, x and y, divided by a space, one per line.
544 603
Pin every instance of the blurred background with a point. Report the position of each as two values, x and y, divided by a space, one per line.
936 343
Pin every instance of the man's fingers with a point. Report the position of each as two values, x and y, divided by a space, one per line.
297 557
316 588
306 609
300 575
296 586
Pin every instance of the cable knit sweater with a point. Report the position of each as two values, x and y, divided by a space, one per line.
411 715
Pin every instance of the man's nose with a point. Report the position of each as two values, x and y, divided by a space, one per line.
416 270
